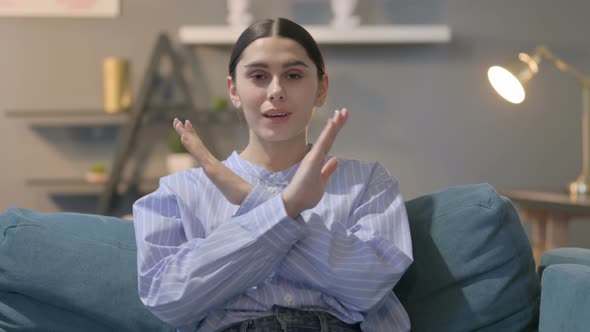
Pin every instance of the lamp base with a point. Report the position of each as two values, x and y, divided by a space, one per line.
579 187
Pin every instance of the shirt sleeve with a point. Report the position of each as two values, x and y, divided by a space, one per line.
258 195
181 279
358 265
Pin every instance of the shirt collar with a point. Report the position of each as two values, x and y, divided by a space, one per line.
238 164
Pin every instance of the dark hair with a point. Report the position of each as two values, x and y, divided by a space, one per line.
281 27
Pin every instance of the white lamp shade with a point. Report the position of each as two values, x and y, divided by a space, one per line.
506 84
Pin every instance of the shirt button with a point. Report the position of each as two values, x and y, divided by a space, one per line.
271 189
288 298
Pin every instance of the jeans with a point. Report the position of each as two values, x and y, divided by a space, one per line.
290 320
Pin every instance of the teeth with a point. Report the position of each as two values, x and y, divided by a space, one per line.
276 115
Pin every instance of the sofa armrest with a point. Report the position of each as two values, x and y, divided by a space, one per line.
564 256
565 298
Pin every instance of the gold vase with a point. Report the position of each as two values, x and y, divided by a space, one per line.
116 84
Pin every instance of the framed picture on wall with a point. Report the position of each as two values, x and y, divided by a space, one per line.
59 8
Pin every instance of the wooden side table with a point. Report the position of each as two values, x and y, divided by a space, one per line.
549 215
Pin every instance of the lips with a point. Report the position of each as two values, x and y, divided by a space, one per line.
273 114
276 116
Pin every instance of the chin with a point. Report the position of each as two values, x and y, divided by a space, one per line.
276 137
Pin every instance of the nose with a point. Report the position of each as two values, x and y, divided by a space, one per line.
276 92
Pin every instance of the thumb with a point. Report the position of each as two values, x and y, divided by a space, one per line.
328 169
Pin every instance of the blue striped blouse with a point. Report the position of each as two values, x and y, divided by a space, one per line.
204 263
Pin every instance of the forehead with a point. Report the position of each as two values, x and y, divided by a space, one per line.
274 50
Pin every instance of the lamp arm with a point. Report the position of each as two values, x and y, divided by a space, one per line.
544 52
582 184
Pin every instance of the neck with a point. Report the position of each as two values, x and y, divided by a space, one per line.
275 156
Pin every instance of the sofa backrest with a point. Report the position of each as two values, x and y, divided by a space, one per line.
473 264
473 269
69 272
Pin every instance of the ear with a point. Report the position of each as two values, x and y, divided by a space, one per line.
233 92
322 91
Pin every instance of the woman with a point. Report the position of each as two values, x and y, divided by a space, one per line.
278 236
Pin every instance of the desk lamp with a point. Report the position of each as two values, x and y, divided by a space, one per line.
510 81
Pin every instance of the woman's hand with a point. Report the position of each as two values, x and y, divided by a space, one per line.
233 187
309 183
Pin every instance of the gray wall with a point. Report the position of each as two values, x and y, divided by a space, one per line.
426 112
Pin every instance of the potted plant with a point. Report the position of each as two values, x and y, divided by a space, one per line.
178 159
97 173
219 104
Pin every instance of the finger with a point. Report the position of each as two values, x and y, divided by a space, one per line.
191 141
328 169
188 125
344 113
340 117
195 147
178 126
176 122
190 135
330 131
323 142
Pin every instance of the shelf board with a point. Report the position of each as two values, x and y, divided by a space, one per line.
51 117
79 186
89 117
365 34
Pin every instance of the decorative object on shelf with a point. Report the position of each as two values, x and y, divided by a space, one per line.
510 81
342 13
238 16
179 159
141 112
59 8
116 84
97 174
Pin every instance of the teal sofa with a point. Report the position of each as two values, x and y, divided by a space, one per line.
473 270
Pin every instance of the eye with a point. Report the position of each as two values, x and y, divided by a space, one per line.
294 76
257 76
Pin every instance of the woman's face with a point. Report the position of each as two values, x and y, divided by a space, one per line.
276 86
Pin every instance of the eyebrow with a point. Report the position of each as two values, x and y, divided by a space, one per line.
293 63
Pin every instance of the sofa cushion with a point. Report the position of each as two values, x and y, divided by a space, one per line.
566 298
19 313
83 265
473 265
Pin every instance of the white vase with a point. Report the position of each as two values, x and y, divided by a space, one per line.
176 162
238 15
342 13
